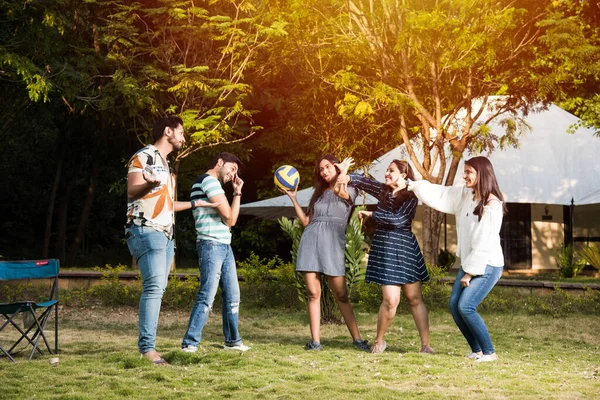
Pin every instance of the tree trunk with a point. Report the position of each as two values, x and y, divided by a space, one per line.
62 217
432 222
85 213
51 203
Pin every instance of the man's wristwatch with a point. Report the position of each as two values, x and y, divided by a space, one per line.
193 204
237 194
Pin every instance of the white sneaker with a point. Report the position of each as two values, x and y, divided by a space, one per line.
473 356
238 347
189 349
487 358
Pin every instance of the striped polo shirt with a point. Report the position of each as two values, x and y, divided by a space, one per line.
209 225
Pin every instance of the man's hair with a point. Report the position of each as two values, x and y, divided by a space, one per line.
158 129
226 157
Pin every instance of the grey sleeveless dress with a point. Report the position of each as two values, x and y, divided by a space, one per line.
323 241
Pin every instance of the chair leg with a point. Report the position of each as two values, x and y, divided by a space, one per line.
56 328
7 354
7 320
24 334
39 325
10 320
43 318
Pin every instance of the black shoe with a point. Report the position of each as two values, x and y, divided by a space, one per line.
361 345
312 345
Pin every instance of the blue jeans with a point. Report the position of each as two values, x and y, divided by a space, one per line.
463 307
153 252
217 268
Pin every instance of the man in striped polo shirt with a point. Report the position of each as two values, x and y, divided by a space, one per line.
215 257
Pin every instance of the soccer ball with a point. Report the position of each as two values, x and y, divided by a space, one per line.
287 177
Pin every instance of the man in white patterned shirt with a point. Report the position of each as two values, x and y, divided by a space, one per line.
151 207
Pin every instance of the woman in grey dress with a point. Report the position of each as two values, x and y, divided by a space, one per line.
321 249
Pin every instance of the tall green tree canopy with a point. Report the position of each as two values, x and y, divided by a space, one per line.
419 63
190 58
568 58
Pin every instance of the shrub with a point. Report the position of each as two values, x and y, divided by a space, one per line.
435 292
591 255
367 297
180 293
11 292
269 282
446 260
355 252
113 292
569 265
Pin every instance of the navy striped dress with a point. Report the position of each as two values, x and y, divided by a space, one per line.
395 257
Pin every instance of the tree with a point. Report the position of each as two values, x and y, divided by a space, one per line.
428 61
299 103
568 58
47 57
190 58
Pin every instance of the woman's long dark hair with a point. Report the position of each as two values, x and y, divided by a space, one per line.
319 183
486 183
404 168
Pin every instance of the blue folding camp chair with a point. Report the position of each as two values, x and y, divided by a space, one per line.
30 270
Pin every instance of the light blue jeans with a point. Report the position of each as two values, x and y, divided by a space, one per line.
217 268
153 252
463 307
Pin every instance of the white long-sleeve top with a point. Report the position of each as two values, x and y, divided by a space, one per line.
478 241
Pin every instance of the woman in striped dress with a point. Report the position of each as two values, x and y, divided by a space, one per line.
395 259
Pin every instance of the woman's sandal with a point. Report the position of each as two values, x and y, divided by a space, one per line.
426 349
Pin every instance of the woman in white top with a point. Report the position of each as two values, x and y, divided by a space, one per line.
478 207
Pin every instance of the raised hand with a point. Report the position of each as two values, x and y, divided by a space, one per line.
401 183
237 184
290 193
150 176
345 165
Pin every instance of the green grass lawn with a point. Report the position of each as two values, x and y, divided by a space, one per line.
540 358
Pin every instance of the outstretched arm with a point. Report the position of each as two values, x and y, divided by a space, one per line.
370 186
186 205
446 199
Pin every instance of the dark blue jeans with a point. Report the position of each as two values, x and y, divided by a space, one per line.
217 269
463 307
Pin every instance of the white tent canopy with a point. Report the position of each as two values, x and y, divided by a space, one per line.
281 206
550 166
